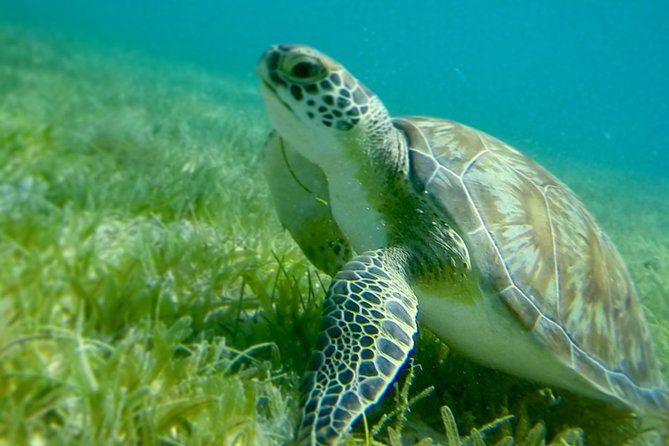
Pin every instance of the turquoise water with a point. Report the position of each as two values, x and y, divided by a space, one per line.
578 79
583 89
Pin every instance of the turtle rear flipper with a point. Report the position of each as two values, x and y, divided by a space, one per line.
368 329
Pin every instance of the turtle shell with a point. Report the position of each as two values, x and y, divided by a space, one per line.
540 250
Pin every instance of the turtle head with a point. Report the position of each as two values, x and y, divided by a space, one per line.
317 105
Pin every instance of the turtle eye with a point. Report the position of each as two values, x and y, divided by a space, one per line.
303 68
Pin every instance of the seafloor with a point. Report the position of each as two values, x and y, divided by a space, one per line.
149 296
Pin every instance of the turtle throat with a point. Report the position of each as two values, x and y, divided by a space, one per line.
373 163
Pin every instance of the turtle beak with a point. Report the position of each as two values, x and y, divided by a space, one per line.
268 64
264 69
267 70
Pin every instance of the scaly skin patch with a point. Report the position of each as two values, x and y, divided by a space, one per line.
368 329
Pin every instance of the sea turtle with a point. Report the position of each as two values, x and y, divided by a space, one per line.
421 215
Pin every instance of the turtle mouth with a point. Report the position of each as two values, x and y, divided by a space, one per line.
269 90
270 81
269 86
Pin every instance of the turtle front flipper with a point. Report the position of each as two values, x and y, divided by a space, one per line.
368 328
300 193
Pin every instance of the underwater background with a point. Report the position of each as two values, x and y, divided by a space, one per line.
587 79
147 291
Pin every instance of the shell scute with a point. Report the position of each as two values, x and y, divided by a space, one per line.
528 313
592 370
512 209
554 336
